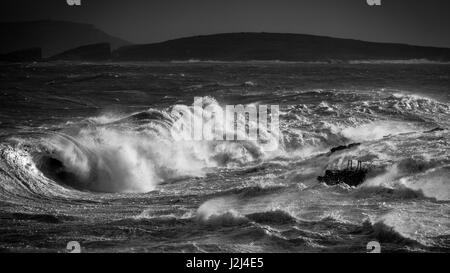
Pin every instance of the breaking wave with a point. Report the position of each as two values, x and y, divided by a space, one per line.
411 178
218 212
131 153
137 152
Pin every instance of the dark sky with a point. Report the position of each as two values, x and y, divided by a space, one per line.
421 22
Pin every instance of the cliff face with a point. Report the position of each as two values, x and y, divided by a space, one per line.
275 46
53 37
95 52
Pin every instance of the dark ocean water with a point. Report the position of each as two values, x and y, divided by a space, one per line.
85 155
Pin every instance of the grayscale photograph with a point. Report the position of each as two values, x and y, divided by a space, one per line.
225 126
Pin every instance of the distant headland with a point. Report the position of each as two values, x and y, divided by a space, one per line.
60 40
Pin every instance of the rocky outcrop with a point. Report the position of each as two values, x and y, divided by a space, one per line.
351 176
343 147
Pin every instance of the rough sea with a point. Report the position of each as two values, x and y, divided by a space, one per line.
86 155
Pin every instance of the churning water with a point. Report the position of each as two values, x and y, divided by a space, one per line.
87 154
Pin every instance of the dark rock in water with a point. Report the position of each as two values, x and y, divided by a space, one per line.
350 176
25 55
95 52
344 147
437 129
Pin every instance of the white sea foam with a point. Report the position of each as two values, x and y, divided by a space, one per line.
138 152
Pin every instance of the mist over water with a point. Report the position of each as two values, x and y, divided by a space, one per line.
91 147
